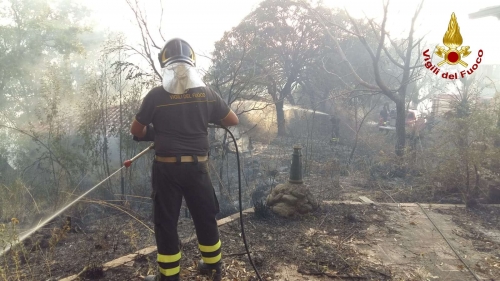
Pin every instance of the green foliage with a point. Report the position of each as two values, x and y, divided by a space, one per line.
288 41
33 34
462 146
110 98
44 153
280 48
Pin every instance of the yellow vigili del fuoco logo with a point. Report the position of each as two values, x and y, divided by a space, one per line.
453 53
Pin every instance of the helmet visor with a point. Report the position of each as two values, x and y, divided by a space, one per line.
177 51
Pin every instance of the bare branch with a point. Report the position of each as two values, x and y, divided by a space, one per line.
376 57
396 48
416 67
149 34
144 34
362 39
161 22
253 108
36 139
392 59
418 42
406 71
342 28
382 33
342 54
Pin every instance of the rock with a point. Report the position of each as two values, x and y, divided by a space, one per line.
271 200
305 208
280 188
289 199
283 209
299 193
312 201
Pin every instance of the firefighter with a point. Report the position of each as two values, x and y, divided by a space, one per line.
384 114
176 115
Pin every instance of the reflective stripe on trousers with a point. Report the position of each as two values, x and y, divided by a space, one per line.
169 264
211 254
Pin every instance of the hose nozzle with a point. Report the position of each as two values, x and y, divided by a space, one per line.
128 163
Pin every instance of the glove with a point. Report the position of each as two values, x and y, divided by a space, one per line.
150 134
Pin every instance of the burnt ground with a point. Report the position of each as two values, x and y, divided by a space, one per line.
479 226
337 242
317 245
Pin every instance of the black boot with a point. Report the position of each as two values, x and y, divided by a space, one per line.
161 277
214 271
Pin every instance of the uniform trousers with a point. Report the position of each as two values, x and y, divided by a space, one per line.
171 182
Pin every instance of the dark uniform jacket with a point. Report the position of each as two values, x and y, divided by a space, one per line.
180 121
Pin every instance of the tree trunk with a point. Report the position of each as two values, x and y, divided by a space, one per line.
476 187
400 127
120 132
357 131
291 100
280 116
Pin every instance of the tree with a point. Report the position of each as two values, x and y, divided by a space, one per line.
425 88
234 74
111 96
286 41
33 33
394 88
144 49
44 152
463 153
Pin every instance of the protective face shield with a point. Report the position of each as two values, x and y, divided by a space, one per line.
178 63
178 77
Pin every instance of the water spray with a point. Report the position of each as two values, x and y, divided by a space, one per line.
23 237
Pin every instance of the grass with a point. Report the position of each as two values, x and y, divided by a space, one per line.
25 260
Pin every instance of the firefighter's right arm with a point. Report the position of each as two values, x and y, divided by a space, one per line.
222 114
141 132
230 120
141 127
137 129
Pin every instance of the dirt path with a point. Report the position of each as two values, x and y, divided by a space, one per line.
344 240
414 250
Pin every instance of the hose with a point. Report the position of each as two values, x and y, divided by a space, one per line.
449 244
240 202
23 237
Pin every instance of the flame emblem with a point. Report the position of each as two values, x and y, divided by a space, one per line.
453 40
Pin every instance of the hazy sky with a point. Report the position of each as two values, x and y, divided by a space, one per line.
202 22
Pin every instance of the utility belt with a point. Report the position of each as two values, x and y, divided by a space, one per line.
182 159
